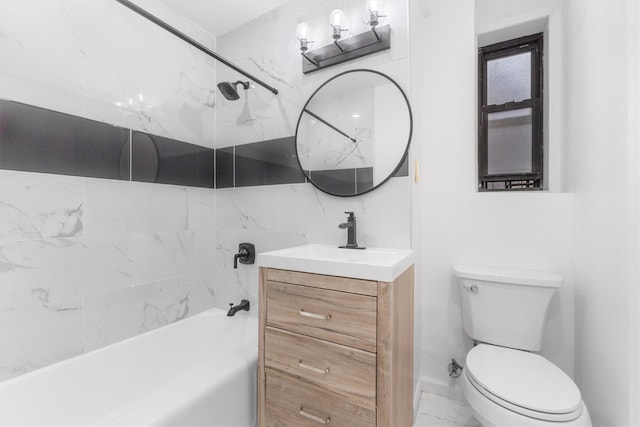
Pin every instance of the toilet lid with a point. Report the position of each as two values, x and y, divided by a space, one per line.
523 379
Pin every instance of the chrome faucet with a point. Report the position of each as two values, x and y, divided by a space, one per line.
350 225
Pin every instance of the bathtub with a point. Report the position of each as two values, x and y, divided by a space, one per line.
199 371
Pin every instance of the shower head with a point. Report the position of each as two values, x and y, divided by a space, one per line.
230 91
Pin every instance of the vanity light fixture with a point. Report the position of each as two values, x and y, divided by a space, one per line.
348 48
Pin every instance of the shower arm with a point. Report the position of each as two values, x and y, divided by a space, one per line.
142 12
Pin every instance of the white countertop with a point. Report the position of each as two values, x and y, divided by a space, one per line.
380 264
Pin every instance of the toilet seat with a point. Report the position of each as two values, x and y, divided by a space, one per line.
523 382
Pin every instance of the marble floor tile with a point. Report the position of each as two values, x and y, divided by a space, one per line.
440 411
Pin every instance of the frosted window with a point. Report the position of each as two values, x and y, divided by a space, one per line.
509 79
509 142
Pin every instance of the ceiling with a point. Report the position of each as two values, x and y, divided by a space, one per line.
218 17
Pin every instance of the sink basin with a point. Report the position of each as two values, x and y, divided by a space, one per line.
379 264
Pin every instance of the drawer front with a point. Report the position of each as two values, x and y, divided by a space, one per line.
340 317
343 284
339 369
293 402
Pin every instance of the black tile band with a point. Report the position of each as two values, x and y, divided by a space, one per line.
267 163
35 139
225 175
167 161
274 162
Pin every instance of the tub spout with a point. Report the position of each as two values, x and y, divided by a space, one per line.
233 309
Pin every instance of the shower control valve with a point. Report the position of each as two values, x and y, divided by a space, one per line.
246 254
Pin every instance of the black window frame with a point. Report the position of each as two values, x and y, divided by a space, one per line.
515 181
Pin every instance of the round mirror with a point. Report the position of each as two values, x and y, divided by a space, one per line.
353 133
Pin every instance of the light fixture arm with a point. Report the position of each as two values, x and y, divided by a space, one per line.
375 33
308 58
304 46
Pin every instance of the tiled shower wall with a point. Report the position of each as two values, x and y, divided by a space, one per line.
85 262
278 216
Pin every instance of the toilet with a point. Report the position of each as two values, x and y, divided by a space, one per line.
506 382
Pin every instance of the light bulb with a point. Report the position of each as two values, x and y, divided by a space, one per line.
336 19
375 6
302 31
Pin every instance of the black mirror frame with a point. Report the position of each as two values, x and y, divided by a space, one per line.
406 150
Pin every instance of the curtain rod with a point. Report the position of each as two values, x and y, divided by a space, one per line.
142 12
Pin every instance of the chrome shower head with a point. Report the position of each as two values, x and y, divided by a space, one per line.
230 91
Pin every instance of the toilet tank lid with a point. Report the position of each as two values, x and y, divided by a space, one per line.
504 275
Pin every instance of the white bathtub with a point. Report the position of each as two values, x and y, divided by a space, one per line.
199 371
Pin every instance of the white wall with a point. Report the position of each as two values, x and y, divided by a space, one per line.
633 53
601 45
457 224
86 262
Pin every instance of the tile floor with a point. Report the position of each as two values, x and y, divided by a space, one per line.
440 411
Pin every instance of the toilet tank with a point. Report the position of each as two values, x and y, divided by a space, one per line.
506 307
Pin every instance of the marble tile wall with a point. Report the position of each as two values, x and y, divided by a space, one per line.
85 262
278 216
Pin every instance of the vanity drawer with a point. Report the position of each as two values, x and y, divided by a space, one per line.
344 370
293 402
340 317
336 283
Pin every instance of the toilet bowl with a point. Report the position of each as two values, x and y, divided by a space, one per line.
506 381
507 387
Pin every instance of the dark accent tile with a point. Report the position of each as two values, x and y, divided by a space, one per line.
364 179
167 161
38 140
340 182
224 167
267 163
404 168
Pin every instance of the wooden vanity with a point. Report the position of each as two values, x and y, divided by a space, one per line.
334 350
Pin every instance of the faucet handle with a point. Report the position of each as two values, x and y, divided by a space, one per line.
351 215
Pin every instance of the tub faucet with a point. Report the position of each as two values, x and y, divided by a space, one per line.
233 309
350 225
